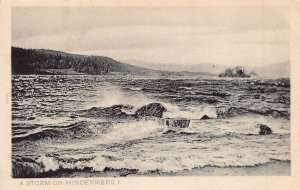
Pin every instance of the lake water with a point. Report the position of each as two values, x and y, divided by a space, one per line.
51 135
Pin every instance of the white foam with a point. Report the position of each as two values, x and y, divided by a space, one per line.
115 96
121 132
49 163
239 125
34 131
135 88
174 111
166 164
134 130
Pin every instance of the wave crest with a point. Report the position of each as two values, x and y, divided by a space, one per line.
102 163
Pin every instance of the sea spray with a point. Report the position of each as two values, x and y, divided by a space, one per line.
121 132
115 96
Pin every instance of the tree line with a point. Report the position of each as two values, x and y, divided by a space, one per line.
35 61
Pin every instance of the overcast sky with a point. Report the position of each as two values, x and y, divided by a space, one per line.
222 35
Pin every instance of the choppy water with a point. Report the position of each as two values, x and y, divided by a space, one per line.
49 134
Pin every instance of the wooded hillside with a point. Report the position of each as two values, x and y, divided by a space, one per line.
41 61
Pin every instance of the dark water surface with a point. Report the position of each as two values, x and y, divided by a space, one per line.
50 134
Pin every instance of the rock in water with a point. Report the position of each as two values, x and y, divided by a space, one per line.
169 131
182 123
205 117
113 111
153 109
31 118
264 129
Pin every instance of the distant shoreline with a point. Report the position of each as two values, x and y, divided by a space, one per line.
42 61
159 76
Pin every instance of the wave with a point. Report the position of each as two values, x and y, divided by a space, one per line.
115 96
47 164
114 102
78 130
237 111
121 132
174 111
135 88
112 111
21 169
135 127
55 121
124 111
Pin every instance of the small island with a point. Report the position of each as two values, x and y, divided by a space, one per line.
236 72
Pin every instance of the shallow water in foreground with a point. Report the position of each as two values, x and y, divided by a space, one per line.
51 138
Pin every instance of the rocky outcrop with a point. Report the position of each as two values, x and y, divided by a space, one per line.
30 118
113 111
169 131
152 110
122 111
182 123
205 117
234 72
264 129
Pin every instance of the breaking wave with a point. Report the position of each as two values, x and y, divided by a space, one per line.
78 130
237 111
100 163
121 132
189 124
101 132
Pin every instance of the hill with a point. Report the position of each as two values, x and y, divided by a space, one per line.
41 61
281 69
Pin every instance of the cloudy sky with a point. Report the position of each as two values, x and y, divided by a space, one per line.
254 36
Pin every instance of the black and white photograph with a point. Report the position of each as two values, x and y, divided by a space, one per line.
150 91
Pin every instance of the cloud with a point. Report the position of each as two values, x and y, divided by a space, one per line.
249 48
148 37
244 54
225 35
33 21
